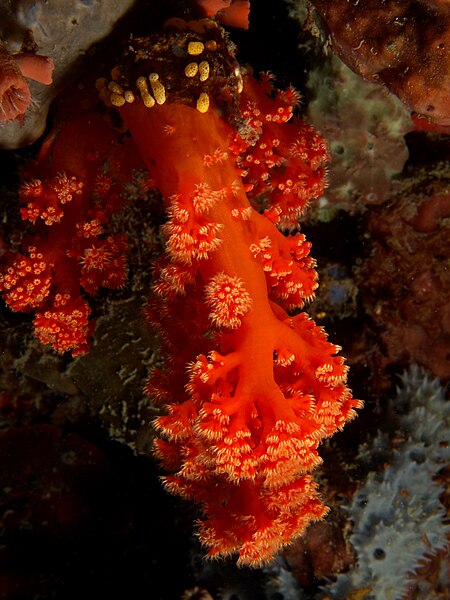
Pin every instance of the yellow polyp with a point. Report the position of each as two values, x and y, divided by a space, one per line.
203 102
169 129
191 69
147 99
115 87
159 91
100 84
195 48
129 96
116 99
203 69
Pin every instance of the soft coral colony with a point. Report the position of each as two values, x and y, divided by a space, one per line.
250 389
251 385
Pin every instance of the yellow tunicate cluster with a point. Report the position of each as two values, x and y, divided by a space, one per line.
150 88
193 68
159 91
116 97
147 98
116 93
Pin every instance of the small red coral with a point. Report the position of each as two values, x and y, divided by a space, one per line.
26 281
65 325
227 12
45 200
70 250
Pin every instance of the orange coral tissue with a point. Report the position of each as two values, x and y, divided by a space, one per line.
250 390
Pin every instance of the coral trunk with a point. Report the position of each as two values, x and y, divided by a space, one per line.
248 423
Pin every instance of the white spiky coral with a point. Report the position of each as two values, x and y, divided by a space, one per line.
397 514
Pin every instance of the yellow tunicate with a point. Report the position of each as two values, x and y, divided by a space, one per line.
203 68
115 87
191 69
147 99
203 102
116 99
195 48
129 96
141 83
158 89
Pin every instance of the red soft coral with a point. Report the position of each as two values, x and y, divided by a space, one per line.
227 12
79 187
286 165
250 390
